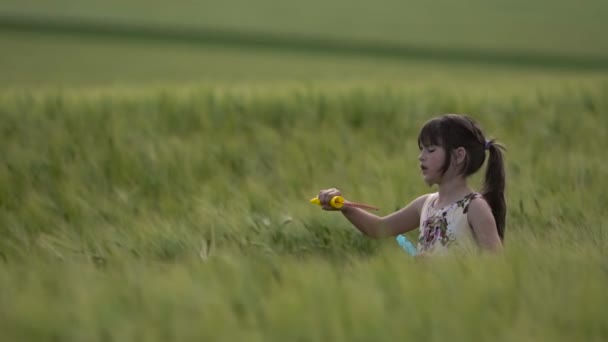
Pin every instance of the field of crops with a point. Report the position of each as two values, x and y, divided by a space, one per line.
153 190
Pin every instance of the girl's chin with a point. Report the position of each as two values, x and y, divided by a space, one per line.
426 179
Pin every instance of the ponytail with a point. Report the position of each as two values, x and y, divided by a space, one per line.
494 185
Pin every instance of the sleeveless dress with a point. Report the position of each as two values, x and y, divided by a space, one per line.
447 228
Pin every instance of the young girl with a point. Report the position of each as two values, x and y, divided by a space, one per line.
452 147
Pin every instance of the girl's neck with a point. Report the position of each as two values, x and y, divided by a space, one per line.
452 190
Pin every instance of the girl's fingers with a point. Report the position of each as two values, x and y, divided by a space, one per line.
326 206
323 198
326 195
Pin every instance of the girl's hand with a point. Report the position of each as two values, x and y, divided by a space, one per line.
326 195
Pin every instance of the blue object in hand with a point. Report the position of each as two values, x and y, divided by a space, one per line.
406 245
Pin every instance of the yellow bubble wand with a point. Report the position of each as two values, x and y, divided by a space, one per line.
338 202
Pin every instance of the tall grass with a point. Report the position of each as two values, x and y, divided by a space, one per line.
185 215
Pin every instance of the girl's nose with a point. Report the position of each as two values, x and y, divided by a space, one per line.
420 157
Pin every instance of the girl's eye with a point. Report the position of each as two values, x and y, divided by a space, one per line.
431 150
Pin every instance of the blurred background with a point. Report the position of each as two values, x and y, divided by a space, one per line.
93 42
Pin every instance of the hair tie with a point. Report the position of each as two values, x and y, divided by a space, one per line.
488 144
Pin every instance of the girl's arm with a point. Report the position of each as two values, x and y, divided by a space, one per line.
399 222
483 224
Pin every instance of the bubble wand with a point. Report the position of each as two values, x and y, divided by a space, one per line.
338 202
406 245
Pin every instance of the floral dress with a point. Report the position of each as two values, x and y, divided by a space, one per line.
446 227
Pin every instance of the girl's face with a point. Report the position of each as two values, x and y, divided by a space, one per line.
431 160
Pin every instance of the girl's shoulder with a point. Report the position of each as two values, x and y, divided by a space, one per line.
472 200
467 200
425 201
477 204
421 202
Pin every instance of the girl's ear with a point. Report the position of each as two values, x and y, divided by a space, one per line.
461 154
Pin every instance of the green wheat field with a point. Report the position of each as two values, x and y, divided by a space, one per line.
157 189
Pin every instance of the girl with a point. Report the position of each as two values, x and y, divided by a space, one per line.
452 147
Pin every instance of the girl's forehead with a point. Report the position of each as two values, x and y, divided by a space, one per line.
429 141
435 146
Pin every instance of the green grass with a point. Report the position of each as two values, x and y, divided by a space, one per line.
42 61
39 61
182 213
552 27
414 36
565 36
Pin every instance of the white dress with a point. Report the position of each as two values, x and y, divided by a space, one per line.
446 228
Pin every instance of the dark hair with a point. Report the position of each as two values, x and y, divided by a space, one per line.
451 131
